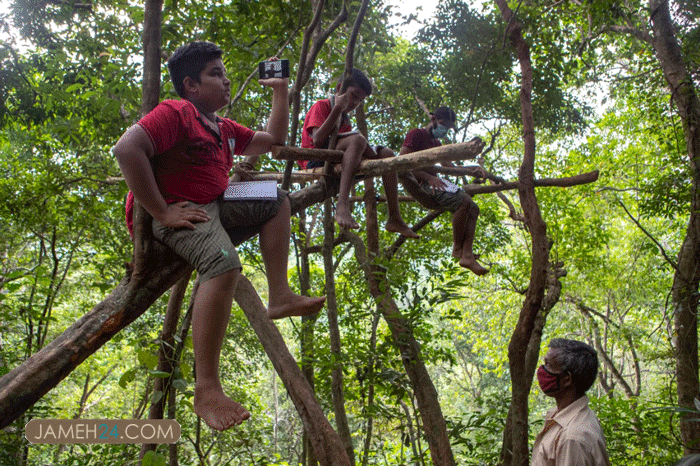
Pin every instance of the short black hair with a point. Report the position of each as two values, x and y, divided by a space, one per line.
357 79
189 61
447 115
580 360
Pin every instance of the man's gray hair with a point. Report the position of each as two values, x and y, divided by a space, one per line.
580 360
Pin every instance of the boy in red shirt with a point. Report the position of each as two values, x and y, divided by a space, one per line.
464 210
176 161
320 122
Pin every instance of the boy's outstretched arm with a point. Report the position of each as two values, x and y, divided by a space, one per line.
277 124
133 151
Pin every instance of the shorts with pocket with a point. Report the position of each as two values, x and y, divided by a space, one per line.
211 247
448 201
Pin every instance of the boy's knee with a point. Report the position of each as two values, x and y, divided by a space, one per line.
384 152
226 277
356 142
473 208
222 262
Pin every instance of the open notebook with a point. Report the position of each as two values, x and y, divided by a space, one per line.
449 186
251 191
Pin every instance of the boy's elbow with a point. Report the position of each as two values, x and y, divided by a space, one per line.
119 152
318 142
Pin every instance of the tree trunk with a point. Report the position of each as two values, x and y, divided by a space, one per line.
307 337
687 276
532 354
520 340
150 94
328 447
337 391
166 353
435 428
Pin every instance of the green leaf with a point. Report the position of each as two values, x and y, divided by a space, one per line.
151 458
156 396
146 358
127 377
180 385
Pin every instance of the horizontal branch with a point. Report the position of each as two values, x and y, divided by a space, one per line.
420 159
300 153
382 199
565 182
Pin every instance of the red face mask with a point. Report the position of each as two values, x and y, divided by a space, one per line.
549 381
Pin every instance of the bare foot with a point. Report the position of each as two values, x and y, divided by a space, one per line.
469 262
344 219
217 410
399 226
456 253
294 305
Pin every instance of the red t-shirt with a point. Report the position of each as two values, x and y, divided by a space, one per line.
190 162
420 139
315 117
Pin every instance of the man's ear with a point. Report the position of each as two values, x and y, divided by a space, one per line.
565 380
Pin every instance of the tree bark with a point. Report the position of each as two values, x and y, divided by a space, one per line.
520 340
434 426
328 447
413 161
166 353
150 94
337 391
687 277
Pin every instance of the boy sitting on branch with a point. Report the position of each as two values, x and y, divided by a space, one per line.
327 115
464 210
176 161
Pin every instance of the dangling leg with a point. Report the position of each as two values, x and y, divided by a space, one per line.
395 222
463 230
274 244
212 309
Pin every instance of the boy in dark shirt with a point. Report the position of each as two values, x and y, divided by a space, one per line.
464 210
176 162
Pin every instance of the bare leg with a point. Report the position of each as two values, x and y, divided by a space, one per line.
463 229
459 227
274 244
395 222
353 147
212 309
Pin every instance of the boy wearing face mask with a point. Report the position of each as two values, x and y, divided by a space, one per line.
571 434
464 210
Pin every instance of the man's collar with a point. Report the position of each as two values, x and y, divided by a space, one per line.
564 415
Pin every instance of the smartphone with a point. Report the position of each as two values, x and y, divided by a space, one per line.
274 69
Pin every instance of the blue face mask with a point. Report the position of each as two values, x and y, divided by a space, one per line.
439 132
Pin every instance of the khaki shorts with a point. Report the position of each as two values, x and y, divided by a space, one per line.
448 201
211 247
